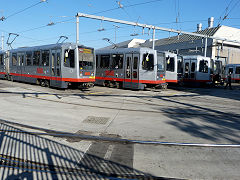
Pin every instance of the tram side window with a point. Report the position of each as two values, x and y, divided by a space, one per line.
58 59
193 67
203 66
104 62
45 58
180 67
230 70
148 62
97 64
14 59
28 58
36 58
117 61
1 59
187 67
128 75
170 64
237 70
135 62
69 58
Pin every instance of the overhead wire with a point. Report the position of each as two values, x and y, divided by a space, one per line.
131 5
40 27
227 11
29 7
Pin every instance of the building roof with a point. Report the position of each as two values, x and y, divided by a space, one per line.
182 38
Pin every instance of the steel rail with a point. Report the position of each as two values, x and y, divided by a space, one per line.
119 140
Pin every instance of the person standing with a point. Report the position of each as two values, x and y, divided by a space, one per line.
229 81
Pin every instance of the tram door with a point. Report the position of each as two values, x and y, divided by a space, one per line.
132 71
56 68
20 66
189 69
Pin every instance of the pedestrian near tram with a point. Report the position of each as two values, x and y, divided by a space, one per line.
229 81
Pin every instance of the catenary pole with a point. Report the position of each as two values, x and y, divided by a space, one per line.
77 29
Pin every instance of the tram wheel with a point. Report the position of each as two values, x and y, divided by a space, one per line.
47 84
118 85
11 78
42 83
38 82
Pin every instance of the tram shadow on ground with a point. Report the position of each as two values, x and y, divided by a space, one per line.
217 91
28 156
212 125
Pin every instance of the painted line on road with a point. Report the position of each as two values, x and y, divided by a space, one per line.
109 152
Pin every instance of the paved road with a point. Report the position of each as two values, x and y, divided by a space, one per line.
184 115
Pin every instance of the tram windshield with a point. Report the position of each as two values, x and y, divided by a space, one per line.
85 58
217 67
160 61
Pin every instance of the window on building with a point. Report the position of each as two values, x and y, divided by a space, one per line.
117 61
1 59
104 61
148 62
45 58
36 58
203 66
28 58
14 59
170 64
69 58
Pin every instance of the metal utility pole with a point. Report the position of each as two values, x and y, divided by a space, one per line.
153 39
205 50
77 30
153 28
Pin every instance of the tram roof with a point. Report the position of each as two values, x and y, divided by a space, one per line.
48 46
123 50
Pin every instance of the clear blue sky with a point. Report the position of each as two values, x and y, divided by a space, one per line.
31 24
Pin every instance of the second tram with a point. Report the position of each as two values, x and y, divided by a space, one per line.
133 68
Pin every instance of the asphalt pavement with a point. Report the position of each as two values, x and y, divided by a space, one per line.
35 122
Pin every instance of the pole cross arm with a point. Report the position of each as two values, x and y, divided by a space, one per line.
153 27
